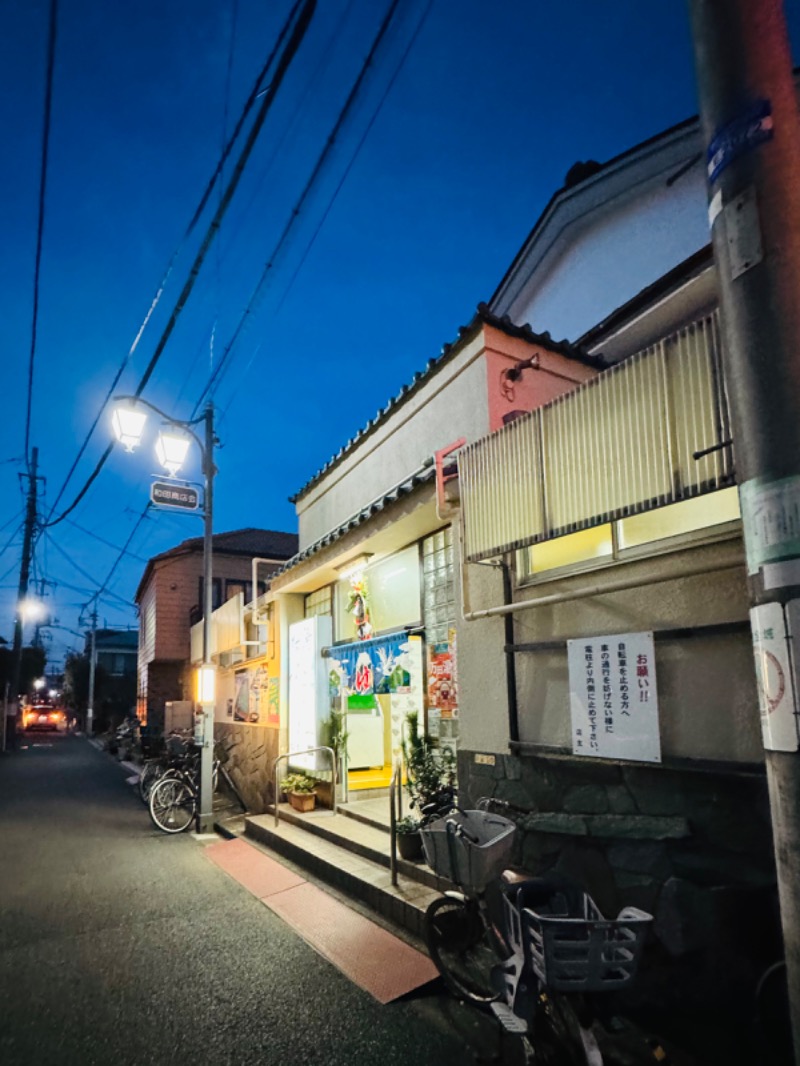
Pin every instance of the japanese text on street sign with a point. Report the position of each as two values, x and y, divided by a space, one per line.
166 494
613 697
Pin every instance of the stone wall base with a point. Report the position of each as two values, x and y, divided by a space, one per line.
692 848
250 752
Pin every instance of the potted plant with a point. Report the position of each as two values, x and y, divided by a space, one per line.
300 791
430 771
409 839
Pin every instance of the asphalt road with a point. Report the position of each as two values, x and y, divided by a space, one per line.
122 945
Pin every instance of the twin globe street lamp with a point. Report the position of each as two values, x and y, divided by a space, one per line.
172 446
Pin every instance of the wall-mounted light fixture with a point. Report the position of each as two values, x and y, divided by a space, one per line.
353 566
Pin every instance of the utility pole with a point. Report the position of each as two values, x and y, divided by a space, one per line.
750 124
92 670
24 573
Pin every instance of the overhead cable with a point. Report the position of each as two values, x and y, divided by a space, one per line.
298 207
339 187
268 97
48 100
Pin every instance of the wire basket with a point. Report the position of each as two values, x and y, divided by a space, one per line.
471 863
584 953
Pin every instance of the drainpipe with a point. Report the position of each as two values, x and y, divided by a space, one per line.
511 663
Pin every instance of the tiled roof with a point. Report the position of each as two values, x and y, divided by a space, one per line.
270 543
483 316
257 543
425 473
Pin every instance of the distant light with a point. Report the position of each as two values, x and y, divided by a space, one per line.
206 684
171 449
53 693
128 425
30 609
39 684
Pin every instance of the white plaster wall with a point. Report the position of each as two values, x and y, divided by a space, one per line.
452 404
604 260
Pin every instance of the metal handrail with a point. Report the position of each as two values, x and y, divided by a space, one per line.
395 811
293 755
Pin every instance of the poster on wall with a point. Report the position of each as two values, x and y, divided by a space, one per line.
442 689
250 703
613 697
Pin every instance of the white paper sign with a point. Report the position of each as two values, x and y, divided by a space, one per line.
613 697
774 675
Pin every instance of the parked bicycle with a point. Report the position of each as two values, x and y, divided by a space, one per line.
176 749
174 797
534 950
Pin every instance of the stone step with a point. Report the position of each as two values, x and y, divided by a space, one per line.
352 859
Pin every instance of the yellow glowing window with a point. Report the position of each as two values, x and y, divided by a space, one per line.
685 517
581 547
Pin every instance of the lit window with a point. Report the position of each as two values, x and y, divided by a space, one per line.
713 509
585 546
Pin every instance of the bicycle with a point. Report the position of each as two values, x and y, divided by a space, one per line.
533 950
174 796
179 753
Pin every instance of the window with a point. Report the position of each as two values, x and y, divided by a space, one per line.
392 595
319 602
216 594
439 595
671 527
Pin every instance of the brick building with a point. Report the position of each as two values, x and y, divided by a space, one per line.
170 597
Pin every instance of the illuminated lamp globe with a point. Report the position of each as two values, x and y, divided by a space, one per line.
171 449
128 425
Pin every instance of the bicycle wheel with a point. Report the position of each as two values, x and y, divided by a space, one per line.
151 771
172 805
562 1032
460 948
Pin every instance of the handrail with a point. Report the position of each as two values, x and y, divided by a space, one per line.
395 789
293 755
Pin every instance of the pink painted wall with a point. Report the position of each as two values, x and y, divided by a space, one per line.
556 375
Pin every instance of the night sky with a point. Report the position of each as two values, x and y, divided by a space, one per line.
467 123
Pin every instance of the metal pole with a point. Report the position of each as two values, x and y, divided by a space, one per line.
10 723
750 123
207 751
92 673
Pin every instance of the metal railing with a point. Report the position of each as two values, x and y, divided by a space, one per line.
651 431
295 755
395 813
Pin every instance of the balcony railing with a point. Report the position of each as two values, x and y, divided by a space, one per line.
623 443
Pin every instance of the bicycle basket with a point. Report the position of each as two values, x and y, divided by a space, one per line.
584 953
471 864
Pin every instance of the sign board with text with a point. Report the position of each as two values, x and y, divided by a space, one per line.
613 697
171 494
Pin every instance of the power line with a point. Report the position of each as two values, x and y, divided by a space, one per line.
51 51
298 207
293 44
338 188
108 544
79 568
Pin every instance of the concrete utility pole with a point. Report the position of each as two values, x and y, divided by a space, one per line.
749 116
24 573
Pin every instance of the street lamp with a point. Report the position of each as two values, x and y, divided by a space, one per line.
128 421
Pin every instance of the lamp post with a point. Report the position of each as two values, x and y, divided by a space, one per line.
171 448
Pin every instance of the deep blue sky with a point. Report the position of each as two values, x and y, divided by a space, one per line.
489 110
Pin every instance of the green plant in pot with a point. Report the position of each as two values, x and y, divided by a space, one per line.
300 791
409 839
430 771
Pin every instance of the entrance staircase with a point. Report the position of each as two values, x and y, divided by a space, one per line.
350 851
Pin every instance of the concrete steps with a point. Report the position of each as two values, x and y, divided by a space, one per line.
350 850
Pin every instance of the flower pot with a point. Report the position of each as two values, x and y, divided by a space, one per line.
303 801
410 846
